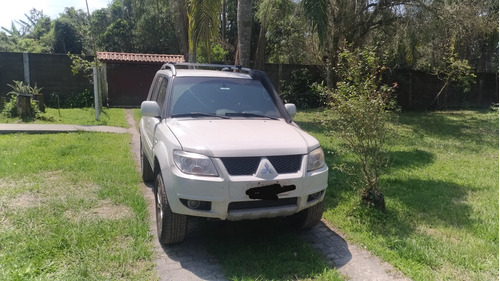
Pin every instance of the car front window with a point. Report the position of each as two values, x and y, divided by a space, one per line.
228 97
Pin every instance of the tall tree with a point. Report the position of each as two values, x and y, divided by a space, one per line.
67 39
181 25
204 21
339 21
244 31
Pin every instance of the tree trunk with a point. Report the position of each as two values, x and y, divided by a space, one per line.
244 15
181 23
23 105
261 46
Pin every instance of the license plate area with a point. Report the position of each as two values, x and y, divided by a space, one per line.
268 192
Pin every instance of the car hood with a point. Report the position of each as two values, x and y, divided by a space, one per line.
240 138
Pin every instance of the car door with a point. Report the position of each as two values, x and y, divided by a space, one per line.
151 123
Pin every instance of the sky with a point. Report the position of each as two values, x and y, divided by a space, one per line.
15 9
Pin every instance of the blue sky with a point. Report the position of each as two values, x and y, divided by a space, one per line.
15 9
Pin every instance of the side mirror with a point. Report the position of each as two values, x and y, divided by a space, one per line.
150 109
291 109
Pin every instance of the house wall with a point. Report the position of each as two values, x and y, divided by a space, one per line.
128 84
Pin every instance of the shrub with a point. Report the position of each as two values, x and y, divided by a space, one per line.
302 91
11 108
363 105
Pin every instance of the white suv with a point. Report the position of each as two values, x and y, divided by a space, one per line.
221 144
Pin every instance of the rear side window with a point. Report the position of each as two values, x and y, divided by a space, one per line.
162 91
159 91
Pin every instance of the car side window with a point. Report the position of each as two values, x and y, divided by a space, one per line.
154 94
162 91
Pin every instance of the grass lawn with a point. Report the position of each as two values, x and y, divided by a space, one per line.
441 191
78 116
71 209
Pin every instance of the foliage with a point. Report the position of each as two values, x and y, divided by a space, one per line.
10 109
302 91
454 72
287 34
66 37
73 100
217 54
416 33
364 106
203 24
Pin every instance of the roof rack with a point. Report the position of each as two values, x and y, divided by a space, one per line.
172 66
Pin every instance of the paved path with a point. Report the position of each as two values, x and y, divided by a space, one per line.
191 261
57 128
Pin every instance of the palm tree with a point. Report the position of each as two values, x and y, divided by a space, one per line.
203 24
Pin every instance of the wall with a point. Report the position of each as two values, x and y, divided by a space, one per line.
417 90
52 72
128 84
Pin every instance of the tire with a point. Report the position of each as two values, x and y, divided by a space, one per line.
146 170
309 217
171 227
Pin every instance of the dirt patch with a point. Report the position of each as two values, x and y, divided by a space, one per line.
107 210
104 210
25 200
34 190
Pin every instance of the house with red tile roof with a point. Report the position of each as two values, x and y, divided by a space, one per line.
126 77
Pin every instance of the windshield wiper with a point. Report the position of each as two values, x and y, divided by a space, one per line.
198 114
251 114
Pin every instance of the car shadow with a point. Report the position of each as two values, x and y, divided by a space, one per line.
329 243
246 247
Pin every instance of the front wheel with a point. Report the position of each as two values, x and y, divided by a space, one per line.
309 217
171 227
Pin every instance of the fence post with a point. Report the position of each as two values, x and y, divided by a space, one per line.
97 102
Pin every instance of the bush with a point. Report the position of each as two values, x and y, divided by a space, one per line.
302 91
11 107
74 100
364 104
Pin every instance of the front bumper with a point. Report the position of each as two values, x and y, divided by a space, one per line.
225 197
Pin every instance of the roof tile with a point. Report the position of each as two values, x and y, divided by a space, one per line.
135 57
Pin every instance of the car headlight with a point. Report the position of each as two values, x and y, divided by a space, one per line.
315 159
194 164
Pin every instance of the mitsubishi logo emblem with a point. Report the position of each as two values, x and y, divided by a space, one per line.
267 169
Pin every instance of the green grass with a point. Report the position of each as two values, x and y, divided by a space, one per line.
71 209
441 191
78 116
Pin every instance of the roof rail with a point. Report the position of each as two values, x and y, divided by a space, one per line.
191 65
171 66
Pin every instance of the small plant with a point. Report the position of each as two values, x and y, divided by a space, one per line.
20 107
454 72
363 105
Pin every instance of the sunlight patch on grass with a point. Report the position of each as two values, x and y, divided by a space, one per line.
67 201
441 190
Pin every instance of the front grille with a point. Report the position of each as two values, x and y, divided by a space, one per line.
262 204
246 166
241 166
286 164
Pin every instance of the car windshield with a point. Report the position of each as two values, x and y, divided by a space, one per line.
228 97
